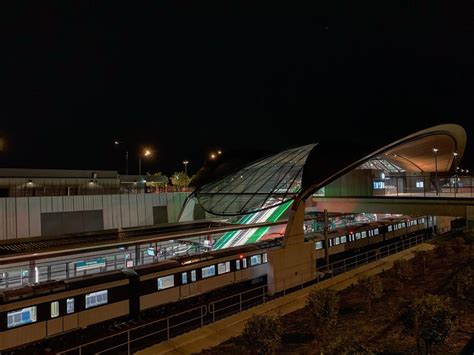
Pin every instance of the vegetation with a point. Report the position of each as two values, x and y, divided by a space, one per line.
462 284
323 309
429 318
422 260
262 334
180 180
403 271
469 240
371 289
458 244
413 309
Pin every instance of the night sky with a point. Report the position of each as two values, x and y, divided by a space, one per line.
186 78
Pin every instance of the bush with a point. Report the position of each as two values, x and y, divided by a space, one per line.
443 250
462 284
403 271
429 318
323 308
262 334
458 244
422 260
371 289
340 346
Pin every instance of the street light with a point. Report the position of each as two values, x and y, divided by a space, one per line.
455 173
146 153
126 155
435 151
185 162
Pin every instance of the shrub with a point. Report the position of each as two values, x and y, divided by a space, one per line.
262 334
323 308
429 318
340 346
458 244
371 289
462 284
403 271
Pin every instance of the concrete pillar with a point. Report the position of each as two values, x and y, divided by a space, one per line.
295 262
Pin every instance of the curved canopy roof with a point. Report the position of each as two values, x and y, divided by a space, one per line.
263 184
297 173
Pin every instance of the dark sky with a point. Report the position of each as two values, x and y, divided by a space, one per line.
187 77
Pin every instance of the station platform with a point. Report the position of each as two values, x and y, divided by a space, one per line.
222 330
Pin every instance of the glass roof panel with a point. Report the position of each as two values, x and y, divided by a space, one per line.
263 184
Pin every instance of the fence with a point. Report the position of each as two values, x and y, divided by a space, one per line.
163 329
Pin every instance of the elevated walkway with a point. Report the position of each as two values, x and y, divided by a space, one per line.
222 330
411 205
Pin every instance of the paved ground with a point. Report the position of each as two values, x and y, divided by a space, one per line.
222 330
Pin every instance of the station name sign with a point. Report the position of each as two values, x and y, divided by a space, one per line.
90 264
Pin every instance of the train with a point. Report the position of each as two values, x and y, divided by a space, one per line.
354 238
31 313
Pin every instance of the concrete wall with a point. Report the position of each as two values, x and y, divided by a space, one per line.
21 217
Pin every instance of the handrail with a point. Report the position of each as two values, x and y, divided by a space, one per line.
210 309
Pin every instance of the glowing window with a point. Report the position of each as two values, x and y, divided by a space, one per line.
21 316
208 271
165 282
54 309
255 260
244 263
237 265
319 245
70 305
193 275
265 257
95 299
343 239
184 278
223 268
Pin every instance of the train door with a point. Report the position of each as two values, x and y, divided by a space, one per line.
133 292
185 286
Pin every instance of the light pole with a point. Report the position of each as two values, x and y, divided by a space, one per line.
146 153
185 162
435 151
455 174
126 156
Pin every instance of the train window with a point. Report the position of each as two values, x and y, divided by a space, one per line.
96 298
21 316
319 245
330 242
255 260
376 231
208 271
165 282
70 305
419 184
343 239
184 278
337 241
389 228
358 235
193 275
364 234
237 265
223 268
265 257
54 309
244 263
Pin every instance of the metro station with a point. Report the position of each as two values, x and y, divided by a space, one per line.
158 264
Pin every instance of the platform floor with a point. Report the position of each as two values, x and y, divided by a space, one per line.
224 329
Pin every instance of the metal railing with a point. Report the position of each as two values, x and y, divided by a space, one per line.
215 310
